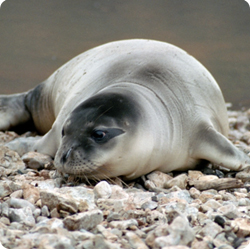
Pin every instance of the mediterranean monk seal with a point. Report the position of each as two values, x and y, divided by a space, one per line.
126 108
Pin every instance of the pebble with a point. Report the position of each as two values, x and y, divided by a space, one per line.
85 220
17 194
124 224
35 160
158 178
30 193
135 241
22 215
45 211
180 233
241 226
102 190
179 181
230 211
39 211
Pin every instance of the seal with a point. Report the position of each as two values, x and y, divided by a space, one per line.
126 108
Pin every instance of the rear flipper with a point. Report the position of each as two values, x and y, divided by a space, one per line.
217 149
14 114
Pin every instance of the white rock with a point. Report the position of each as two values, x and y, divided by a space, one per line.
135 241
179 181
22 215
158 178
124 224
230 211
241 226
20 203
180 233
102 190
85 220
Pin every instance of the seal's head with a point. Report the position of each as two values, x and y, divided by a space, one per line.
96 137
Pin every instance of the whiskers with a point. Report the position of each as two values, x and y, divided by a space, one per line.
90 180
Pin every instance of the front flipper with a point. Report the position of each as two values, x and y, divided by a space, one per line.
23 145
217 149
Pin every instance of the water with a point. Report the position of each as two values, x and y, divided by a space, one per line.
37 37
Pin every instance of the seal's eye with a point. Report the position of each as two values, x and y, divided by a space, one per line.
102 136
98 135
63 132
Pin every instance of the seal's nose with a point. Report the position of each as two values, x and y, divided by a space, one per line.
66 155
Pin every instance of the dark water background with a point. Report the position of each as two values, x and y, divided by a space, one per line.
38 36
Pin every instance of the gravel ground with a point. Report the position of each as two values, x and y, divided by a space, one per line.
199 209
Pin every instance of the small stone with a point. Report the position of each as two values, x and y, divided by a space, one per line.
180 233
213 204
48 226
118 193
201 217
17 194
36 212
122 225
135 241
246 137
35 160
97 242
5 221
84 220
194 174
20 203
156 216
83 206
102 190
5 209
204 208
150 205
241 226
205 196
45 211
113 216
10 162
244 176
210 229
5 189
181 196
22 215
179 181
54 213
239 195
106 233
194 193
63 206
30 193
219 220
230 211
244 202
55 200
160 230
159 178
200 244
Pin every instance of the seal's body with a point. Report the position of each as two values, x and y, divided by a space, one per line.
127 108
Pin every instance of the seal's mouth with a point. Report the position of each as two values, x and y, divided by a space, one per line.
79 166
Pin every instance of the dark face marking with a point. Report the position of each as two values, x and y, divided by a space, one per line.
91 129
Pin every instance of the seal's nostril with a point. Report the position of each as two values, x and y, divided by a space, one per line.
66 155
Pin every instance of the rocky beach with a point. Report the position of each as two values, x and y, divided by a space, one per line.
198 209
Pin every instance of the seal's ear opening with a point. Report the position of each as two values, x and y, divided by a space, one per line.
104 135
